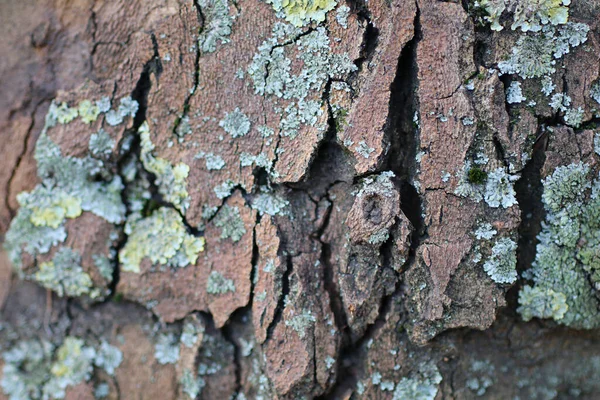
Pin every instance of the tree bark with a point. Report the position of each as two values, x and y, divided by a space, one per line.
243 199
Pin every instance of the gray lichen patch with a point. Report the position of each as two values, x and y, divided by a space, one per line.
69 186
423 385
162 238
166 349
217 23
497 190
301 322
501 265
272 75
38 370
268 203
236 123
231 223
218 284
536 54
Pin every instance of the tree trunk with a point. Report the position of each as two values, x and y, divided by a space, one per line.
222 199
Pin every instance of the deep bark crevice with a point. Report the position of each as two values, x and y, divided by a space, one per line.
130 146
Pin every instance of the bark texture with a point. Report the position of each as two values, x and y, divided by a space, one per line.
244 199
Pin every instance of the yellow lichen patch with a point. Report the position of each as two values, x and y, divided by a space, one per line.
302 12
62 206
171 180
88 111
161 237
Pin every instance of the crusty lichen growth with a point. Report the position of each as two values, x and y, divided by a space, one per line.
269 203
218 284
495 187
535 55
166 349
65 276
422 386
566 270
190 384
236 123
303 12
34 370
69 186
170 179
161 237
216 26
271 74
501 265
301 322
528 15
231 223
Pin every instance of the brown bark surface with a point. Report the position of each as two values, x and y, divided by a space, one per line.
354 271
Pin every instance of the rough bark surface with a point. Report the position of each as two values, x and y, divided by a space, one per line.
203 200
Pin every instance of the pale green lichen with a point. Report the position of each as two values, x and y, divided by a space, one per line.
34 370
514 94
88 111
485 231
497 190
162 238
26 369
302 12
127 108
528 15
363 149
192 328
422 386
541 303
166 349
341 16
535 54
69 186
501 265
236 123
190 384
270 204
595 91
170 179
62 113
73 365
105 266
64 275
183 128
217 23
108 357
101 144
566 270
301 322
213 162
271 73
218 284
231 223
481 377
224 189
102 391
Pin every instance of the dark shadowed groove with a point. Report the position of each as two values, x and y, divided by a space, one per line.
285 289
529 191
403 138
